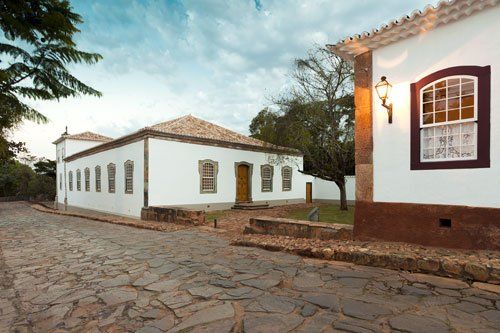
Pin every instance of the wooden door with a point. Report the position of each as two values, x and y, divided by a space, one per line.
242 185
309 192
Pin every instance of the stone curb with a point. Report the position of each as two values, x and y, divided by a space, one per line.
468 271
143 225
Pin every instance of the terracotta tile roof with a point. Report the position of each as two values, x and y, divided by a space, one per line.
85 136
188 129
89 136
199 128
446 11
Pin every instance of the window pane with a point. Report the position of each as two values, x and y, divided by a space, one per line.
468 151
428 118
468 88
468 128
428 107
467 113
453 103
440 117
467 101
440 105
428 143
441 94
441 84
428 154
454 91
453 115
428 132
428 96
452 82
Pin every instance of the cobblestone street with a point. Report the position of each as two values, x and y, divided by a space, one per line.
60 273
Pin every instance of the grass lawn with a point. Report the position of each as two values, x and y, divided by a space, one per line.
327 213
211 216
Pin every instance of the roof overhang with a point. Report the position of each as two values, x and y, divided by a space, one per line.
150 133
418 22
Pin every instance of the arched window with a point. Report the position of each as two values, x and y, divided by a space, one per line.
111 178
129 176
78 180
286 175
266 174
208 170
98 178
70 180
87 179
450 119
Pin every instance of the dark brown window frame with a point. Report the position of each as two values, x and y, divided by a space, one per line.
127 164
483 75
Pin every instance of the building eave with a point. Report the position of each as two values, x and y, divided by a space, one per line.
149 133
418 22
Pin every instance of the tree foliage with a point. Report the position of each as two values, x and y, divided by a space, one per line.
316 116
46 167
17 179
38 46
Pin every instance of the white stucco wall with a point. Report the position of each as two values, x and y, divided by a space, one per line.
118 202
174 177
66 148
472 41
327 190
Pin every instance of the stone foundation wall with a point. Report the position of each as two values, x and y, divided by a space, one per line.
298 228
173 215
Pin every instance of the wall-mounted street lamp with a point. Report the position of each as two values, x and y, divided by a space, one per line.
383 91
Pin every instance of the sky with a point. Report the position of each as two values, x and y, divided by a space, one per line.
219 60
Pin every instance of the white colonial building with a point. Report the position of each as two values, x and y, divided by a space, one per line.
186 162
430 173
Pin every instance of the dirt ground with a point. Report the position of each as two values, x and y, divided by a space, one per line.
234 221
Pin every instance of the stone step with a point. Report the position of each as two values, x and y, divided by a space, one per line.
250 206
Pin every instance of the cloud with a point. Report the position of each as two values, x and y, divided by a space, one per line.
216 59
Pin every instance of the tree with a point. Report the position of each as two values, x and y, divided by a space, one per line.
33 62
46 167
17 179
316 116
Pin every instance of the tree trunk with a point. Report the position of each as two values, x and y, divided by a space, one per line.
343 194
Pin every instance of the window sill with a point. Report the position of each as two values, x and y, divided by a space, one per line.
466 164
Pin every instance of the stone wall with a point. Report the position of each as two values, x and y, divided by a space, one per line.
298 228
173 215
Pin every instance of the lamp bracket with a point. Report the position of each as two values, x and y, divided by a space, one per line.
389 111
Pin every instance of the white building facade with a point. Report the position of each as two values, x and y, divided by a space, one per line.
430 176
187 163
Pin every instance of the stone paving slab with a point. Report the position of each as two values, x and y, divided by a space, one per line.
482 266
61 273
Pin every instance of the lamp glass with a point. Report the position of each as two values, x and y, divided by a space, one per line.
383 89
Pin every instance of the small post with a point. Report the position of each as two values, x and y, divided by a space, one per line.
215 223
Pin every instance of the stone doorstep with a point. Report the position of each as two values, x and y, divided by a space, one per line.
299 228
395 261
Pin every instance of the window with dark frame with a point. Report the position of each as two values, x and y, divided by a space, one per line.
266 174
87 179
208 170
286 175
450 119
98 178
111 178
78 180
129 176
70 180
